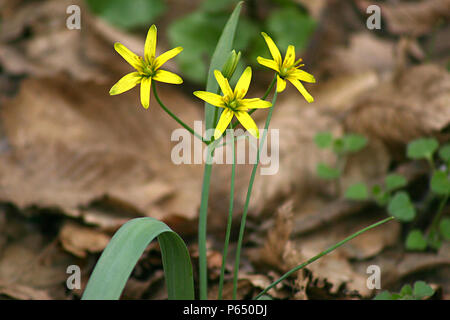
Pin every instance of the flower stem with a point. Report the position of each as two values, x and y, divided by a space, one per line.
249 193
320 255
437 218
230 217
202 224
175 117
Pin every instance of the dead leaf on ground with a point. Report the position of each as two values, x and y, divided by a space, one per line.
80 240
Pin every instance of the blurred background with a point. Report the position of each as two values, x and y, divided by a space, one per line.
75 163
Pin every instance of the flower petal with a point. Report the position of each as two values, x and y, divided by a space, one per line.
211 98
159 61
126 83
150 44
302 90
268 63
243 83
272 48
146 84
167 77
255 103
224 121
223 83
289 59
281 84
302 75
248 123
129 56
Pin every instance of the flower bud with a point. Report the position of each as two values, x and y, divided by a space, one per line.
231 64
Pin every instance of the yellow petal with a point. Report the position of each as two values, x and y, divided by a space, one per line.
167 77
223 83
268 63
211 98
150 44
248 123
281 84
302 75
159 61
146 84
129 56
224 121
302 90
126 83
244 82
289 59
272 48
255 104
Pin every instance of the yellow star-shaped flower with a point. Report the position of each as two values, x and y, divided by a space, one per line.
147 68
233 103
287 69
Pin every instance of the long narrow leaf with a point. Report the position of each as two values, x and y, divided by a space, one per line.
123 251
221 53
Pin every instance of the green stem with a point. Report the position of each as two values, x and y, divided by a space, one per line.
175 117
264 97
435 223
229 220
247 201
320 255
202 224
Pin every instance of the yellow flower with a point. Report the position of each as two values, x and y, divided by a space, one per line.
287 69
147 68
233 103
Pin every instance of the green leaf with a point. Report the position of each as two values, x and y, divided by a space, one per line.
423 148
357 191
444 228
381 196
416 241
289 26
385 295
354 142
444 152
422 290
120 13
326 172
394 182
440 183
323 139
123 251
400 206
219 57
406 290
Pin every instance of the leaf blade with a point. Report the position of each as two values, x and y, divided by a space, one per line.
123 251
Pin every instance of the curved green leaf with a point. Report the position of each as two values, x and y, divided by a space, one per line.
220 56
123 251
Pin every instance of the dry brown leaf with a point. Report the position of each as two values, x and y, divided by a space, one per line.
75 146
352 59
80 240
415 104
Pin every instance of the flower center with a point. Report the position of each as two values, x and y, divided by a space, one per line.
284 71
149 70
233 105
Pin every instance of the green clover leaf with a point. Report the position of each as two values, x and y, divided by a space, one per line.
400 206
423 148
